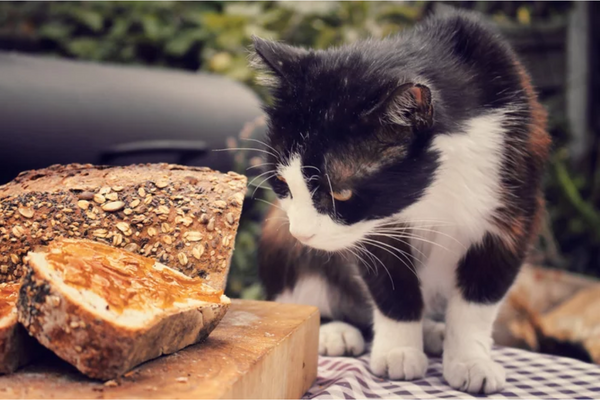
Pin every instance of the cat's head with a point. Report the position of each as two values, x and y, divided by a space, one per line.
348 140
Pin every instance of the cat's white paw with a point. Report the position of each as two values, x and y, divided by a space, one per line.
433 337
400 363
339 338
477 375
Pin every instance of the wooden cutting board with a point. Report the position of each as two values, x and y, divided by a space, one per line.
259 350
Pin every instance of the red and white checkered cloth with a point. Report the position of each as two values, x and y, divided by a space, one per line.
529 375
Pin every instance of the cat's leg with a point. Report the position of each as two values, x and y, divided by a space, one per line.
433 336
482 278
397 351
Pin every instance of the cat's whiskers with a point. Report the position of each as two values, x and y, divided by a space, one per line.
418 238
282 225
271 171
264 144
247 149
312 194
374 259
422 222
268 202
310 166
406 243
263 187
370 267
397 249
425 229
384 267
313 178
259 166
270 218
260 184
408 231
360 259
331 192
387 247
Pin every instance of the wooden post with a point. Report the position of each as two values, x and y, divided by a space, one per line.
578 81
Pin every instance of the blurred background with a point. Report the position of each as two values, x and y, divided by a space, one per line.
119 82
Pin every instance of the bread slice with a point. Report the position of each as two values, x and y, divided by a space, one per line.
106 310
16 347
184 217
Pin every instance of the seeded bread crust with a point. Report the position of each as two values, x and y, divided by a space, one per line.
184 217
96 346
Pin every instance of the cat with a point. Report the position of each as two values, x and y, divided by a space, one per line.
408 175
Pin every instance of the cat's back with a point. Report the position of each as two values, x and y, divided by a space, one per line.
468 59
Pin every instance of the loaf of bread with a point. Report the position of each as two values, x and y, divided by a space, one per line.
106 310
16 347
184 217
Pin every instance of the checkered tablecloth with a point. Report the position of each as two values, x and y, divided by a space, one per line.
529 375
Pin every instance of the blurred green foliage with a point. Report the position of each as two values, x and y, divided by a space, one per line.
215 37
209 36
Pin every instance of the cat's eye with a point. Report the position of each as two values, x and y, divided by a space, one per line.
281 178
344 195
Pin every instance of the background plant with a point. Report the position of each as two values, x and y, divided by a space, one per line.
215 36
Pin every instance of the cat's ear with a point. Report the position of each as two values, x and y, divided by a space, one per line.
409 105
275 61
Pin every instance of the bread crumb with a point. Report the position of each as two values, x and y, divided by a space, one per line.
267 334
111 383
182 379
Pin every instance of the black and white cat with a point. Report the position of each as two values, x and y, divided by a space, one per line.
409 171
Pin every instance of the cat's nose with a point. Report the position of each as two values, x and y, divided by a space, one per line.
304 238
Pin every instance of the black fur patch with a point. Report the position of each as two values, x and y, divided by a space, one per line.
487 271
395 289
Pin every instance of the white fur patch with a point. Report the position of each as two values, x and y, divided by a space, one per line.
306 224
466 189
455 211
397 348
339 338
467 361
309 290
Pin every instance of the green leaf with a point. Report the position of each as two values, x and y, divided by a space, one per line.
119 28
151 26
89 18
184 41
84 48
55 31
246 9
128 53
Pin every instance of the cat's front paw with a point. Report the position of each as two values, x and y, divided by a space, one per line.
478 375
339 338
400 363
